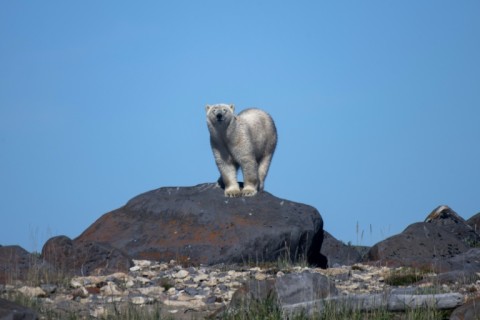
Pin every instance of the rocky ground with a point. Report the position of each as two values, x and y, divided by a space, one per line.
114 264
199 292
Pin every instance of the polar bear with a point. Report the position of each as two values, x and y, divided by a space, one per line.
246 140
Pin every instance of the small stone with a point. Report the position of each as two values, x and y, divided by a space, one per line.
32 292
184 297
151 291
260 276
142 263
120 276
142 280
191 291
280 274
171 291
140 300
111 289
200 277
135 268
49 288
149 274
223 287
182 274
81 292
75 283
212 282
161 266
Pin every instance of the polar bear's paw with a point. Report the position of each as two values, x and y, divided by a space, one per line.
249 191
233 192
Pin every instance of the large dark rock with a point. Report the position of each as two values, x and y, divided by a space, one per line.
467 262
449 220
428 244
84 257
11 310
417 246
338 253
198 225
474 222
14 263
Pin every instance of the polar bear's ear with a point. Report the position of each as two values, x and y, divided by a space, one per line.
207 107
232 107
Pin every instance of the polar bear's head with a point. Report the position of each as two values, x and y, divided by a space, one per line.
220 114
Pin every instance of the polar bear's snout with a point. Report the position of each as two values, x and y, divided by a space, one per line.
219 116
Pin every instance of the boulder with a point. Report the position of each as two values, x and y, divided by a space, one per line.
420 245
14 263
474 222
293 292
428 244
12 310
338 253
199 225
84 257
443 216
466 263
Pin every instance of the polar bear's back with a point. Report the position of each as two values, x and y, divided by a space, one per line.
262 130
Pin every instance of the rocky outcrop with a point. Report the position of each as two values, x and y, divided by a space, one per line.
428 244
474 222
85 257
338 253
444 217
193 225
14 263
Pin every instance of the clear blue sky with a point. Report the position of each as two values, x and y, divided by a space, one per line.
377 105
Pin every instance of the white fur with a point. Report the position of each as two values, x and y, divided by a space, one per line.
246 141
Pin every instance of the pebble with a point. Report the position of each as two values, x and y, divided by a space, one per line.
182 274
141 300
111 289
32 292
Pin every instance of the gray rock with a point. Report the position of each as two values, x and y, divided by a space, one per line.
84 257
299 287
191 291
199 225
338 253
419 245
467 262
430 245
470 310
15 263
369 302
13 311
292 291
450 221
49 288
474 222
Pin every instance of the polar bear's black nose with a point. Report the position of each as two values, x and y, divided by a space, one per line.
219 116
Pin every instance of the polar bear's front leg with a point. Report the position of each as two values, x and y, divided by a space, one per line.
229 177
